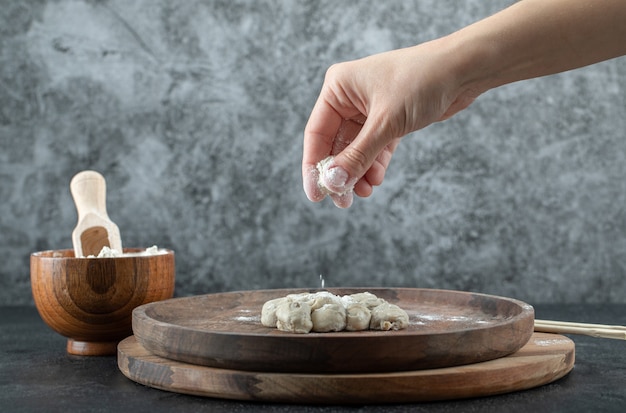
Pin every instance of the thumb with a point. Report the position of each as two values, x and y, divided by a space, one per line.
356 158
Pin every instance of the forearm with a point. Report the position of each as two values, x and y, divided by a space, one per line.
404 90
535 38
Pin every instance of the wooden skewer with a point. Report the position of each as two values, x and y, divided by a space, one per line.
572 324
594 330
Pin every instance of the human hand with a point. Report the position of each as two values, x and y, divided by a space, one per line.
363 110
367 105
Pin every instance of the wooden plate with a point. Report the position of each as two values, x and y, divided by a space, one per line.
447 328
545 358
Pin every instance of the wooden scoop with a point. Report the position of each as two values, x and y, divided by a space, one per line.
94 229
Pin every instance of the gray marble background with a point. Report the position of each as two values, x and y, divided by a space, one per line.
194 112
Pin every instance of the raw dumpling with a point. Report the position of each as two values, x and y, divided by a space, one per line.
329 317
369 299
294 317
322 298
388 317
315 300
299 297
358 317
268 312
324 312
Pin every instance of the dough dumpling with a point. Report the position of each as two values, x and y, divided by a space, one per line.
299 297
320 299
358 317
329 317
294 317
388 317
369 299
268 312
324 312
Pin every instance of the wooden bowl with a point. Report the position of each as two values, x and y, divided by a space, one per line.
90 300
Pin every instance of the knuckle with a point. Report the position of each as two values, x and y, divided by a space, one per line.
358 158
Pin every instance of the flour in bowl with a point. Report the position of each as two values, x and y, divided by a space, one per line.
107 252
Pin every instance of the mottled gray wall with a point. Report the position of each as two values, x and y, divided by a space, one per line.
194 112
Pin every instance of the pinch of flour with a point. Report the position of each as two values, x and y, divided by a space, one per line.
328 174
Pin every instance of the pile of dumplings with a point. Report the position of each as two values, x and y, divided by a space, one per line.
324 312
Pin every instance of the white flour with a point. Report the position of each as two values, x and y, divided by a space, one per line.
107 252
329 175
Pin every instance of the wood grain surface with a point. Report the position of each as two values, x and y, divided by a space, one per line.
90 300
446 328
544 358
94 228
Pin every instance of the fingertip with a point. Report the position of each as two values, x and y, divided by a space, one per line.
363 188
310 179
343 201
376 174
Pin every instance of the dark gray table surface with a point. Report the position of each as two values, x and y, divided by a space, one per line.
37 375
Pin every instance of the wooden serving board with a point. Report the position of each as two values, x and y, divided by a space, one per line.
446 328
545 358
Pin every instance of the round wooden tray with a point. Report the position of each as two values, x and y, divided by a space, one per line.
544 359
446 328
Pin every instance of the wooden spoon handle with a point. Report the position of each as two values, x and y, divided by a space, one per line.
88 189
94 229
